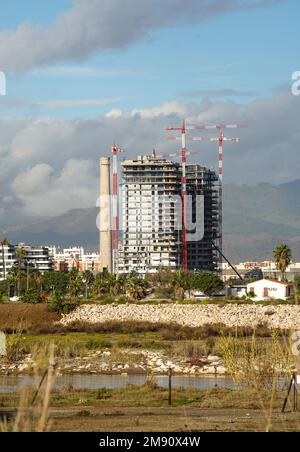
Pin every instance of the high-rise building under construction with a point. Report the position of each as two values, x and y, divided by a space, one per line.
152 217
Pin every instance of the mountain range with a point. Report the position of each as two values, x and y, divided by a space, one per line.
256 218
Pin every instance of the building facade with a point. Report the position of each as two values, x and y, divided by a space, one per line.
152 217
267 289
8 262
75 257
36 258
202 185
265 269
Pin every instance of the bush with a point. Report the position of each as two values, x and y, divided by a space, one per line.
108 300
60 305
33 297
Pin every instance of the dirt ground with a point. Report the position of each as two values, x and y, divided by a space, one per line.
169 420
180 419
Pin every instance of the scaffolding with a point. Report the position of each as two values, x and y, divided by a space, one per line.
202 254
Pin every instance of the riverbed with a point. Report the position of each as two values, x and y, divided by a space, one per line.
15 383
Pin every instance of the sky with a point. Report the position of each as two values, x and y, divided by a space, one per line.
81 74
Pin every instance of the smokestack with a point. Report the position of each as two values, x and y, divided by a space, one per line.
105 216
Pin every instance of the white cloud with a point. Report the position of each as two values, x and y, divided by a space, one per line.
87 71
93 26
61 104
46 193
50 165
166 109
34 180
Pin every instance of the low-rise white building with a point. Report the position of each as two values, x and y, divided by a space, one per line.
237 291
268 269
267 289
68 258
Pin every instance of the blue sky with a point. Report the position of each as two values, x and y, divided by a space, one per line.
252 51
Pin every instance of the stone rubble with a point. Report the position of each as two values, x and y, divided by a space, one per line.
143 361
281 316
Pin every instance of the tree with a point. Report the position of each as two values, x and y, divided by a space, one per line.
135 287
21 253
76 287
13 278
88 279
101 285
182 282
55 282
297 283
36 278
33 297
208 283
283 258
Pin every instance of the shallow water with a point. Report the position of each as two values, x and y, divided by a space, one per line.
16 383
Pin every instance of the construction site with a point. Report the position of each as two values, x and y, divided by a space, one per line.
150 218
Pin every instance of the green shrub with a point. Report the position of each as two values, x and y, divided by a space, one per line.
61 305
33 297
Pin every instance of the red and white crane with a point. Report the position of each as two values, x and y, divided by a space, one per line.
115 198
221 139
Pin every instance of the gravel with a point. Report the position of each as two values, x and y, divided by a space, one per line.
282 316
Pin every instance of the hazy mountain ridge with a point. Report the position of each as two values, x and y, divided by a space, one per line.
255 219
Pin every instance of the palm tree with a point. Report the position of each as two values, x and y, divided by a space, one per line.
135 287
35 278
181 282
3 242
101 286
13 278
283 258
122 284
21 253
88 279
76 287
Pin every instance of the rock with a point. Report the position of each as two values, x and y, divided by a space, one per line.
213 359
281 316
221 370
270 312
211 370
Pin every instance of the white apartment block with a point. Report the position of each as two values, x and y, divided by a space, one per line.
35 257
9 260
150 217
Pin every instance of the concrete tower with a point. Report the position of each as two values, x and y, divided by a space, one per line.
105 216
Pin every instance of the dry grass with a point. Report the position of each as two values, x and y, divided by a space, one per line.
34 404
259 367
168 332
29 316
